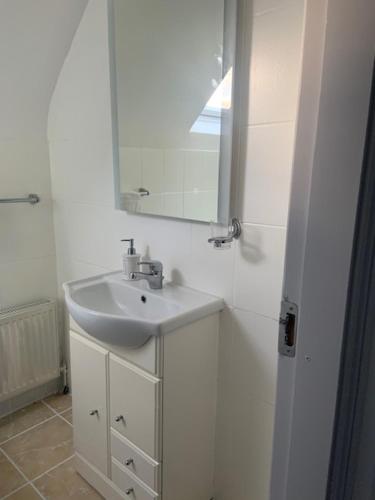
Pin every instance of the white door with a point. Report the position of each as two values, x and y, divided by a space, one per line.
89 387
337 68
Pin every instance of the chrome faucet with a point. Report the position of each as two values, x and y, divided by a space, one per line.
154 277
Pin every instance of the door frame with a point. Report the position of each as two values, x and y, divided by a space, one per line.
352 460
338 53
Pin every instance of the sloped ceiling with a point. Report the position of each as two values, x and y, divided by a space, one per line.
35 36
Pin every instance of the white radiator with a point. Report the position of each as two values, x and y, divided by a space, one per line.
29 347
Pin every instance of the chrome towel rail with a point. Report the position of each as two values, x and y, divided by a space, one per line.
31 198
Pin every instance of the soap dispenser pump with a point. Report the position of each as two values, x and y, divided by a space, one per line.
130 260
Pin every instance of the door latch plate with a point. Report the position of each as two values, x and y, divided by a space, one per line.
288 329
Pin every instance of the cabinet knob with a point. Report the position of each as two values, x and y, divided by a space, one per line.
119 418
129 491
129 461
93 412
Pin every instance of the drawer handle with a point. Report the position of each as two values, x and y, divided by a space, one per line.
129 461
129 491
93 412
119 418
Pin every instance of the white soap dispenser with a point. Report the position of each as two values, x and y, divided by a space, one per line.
130 261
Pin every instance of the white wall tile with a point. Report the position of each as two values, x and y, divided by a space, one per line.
27 280
93 181
275 63
86 232
201 205
194 165
130 169
152 204
174 171
259 270
201 171
210 174
265 180
70 269
27 232
255 340
153 170
225 481
244 421
173 204
252 420
209 269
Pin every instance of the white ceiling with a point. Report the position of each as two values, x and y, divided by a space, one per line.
35 36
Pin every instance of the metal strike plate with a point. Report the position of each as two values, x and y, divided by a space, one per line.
288 329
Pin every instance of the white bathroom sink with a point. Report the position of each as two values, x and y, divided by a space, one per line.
128 313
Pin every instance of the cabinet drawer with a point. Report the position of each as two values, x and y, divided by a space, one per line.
130 485
89 383
134 403
144 467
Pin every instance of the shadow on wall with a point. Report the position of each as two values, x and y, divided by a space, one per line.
177 276
251 246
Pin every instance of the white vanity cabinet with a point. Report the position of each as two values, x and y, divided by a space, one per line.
89 365
145 430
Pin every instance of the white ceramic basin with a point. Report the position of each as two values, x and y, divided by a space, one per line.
128 313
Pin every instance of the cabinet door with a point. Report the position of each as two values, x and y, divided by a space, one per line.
89 386
135 397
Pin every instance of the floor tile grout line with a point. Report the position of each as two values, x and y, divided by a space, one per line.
53 409
15 466
37 491
55 414
30 482
50 407
66 411
60 414
65 420
28 429
15 491
53 468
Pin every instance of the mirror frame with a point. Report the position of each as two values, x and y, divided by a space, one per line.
228 153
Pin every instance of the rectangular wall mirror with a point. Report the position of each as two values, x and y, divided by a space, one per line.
172 73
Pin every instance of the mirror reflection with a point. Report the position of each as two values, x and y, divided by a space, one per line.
173 90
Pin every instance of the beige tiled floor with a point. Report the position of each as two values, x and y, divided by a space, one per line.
36 449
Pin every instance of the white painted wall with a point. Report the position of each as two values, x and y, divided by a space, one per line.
34 39
249 275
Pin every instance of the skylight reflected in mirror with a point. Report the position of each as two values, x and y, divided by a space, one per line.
209 120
